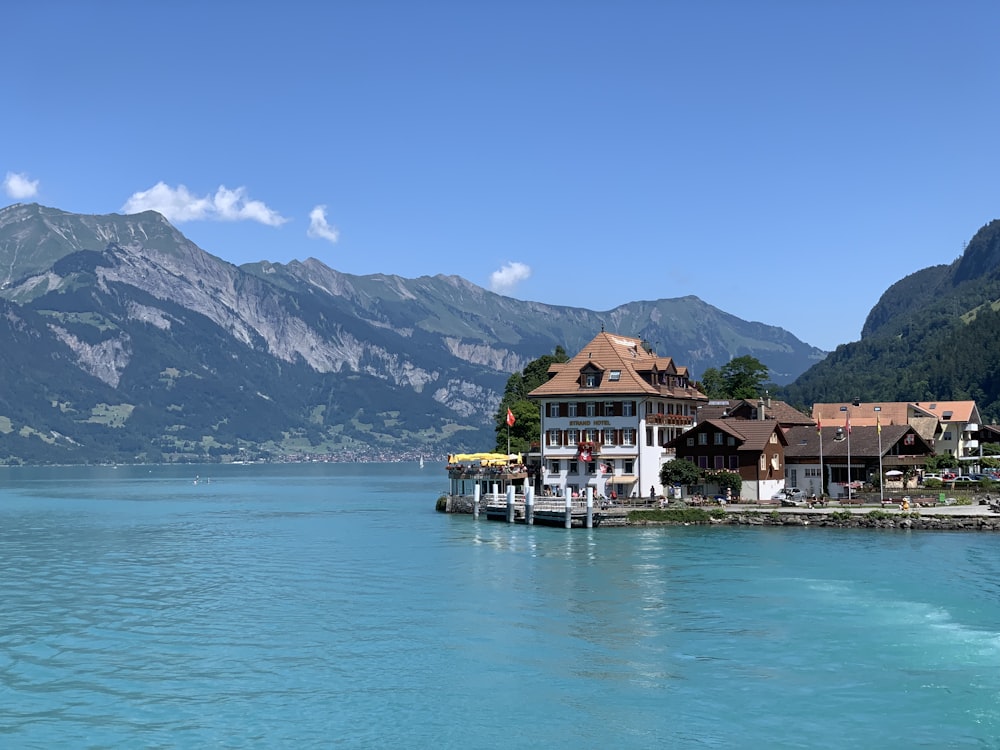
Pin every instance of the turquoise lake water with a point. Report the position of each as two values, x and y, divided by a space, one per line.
331 606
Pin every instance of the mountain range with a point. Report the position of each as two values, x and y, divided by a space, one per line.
124 341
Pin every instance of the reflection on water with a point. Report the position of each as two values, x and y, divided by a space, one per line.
318 606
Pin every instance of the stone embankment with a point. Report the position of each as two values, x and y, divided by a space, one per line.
960 518
875 519
941 518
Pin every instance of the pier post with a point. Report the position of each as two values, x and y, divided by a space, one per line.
476 492
529 505
510 503
590 507
569 510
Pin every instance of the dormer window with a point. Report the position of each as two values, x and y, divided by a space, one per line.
590 380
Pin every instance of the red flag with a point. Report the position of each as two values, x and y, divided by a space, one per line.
510 418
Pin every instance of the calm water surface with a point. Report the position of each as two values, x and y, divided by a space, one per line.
330 606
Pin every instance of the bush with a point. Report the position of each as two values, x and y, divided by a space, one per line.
676 515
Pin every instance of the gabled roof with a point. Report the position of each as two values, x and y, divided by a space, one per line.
742 408
752 434
895 412
804 442
625 367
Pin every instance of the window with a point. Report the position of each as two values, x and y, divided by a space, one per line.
590 380
571 411
627 407
628 436
946 436
702 438
591 436
572 437
908 439
719 462
690 442
553 409
591 468
774 437
591 408
717 439
574 467
553 437
609 437
702 462
763 462
554 467
734 462
628 466
730 440
615 375
609 408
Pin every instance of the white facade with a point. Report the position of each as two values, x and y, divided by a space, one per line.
623 439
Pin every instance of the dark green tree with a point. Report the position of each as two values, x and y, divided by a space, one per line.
527 418
744 377
679 471
712 384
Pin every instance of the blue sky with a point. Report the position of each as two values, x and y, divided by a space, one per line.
783 161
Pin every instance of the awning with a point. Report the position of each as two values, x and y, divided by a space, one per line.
622 479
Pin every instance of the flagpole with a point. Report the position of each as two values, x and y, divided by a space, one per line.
881 476
822 477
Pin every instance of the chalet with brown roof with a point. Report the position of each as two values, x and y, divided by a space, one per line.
763 408
817 461
951 427
752 448
608 413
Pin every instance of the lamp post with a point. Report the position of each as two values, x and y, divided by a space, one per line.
881 476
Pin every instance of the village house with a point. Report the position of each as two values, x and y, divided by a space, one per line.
951 427
752 448
607 415
823 460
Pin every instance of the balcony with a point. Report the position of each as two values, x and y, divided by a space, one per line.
670 419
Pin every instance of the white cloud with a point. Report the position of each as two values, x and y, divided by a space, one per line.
503 280
319 227
180 204
18 186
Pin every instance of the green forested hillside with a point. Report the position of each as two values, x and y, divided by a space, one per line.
934 335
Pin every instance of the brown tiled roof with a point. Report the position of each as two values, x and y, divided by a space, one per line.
778 411
607 352
892 412
803 442
753 434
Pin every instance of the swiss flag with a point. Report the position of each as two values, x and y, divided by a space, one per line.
510 418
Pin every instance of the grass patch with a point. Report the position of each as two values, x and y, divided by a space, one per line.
675 515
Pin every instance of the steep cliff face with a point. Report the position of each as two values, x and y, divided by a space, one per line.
177 351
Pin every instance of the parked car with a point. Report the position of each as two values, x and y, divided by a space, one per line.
964 480
938 477
794 497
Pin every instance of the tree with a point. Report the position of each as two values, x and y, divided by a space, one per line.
527 418
712 384
744 377
729 480
679 471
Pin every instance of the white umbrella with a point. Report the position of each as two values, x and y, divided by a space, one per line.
894 473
